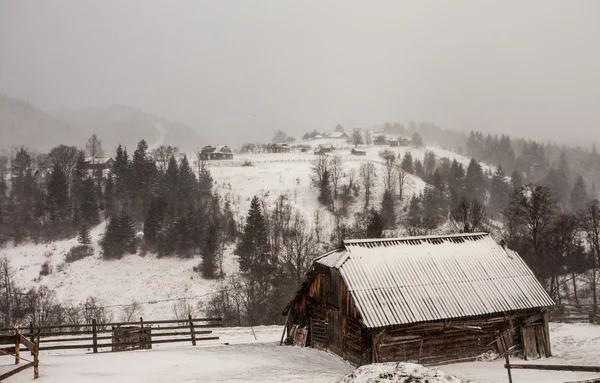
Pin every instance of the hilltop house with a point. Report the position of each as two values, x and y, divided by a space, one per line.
338 136
93 165
216 153
425 299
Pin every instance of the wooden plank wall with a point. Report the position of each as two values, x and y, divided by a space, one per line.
442 341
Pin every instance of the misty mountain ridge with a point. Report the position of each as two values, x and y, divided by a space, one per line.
21 123
24 124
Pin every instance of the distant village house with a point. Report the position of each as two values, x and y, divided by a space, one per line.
103 164
216 153
324 149
358 152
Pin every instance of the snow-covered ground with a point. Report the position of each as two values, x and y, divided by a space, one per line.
155 282
245 359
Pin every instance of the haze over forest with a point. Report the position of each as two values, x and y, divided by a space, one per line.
238 70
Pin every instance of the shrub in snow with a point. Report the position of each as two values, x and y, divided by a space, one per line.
79 252
46 269
398 373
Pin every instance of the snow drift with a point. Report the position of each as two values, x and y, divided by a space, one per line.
398 373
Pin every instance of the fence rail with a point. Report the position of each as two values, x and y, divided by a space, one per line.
545 367
123 335
569 313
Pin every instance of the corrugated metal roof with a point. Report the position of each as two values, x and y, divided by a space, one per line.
417 279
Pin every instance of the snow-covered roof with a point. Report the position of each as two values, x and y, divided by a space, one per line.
418 279
97 160
338 135
216 149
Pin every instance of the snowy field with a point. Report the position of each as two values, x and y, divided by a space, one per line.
245 359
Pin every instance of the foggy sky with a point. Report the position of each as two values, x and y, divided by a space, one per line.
245 68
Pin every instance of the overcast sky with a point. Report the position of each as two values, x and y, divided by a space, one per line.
228 67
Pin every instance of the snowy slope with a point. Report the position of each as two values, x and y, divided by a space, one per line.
158 282
145 279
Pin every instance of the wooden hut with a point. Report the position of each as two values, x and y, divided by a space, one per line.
423 299
358 152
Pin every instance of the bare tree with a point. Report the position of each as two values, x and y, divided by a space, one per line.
468 216
132 312
590 222
163 154
182 310
367 174
336 172
93 148
317 225
357 137
279 136
65 157
299 249
319 166
389 169
404 182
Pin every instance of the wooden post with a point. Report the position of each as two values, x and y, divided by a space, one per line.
143 336
192 332
36 359
95 336
507 365
17 344
31 336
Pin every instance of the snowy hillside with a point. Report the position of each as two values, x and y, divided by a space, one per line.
156 282
160 282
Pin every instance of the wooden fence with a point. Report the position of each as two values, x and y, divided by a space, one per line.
18 339
97 336
548 367
569 313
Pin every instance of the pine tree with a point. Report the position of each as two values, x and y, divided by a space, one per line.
376 225
126 233
109 194
499 192
209 252
205 181
516 180
475 181
110 242
89 210
407 163
84 237
433 209
414 223
388 210
253 248
58 195
153 222
171 180
579 195
325 188
187 185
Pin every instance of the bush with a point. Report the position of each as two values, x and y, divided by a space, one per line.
46 269
79 252
247 163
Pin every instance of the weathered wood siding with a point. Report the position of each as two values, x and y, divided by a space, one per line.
452 340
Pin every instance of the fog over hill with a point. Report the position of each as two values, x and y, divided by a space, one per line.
21 123
119 124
